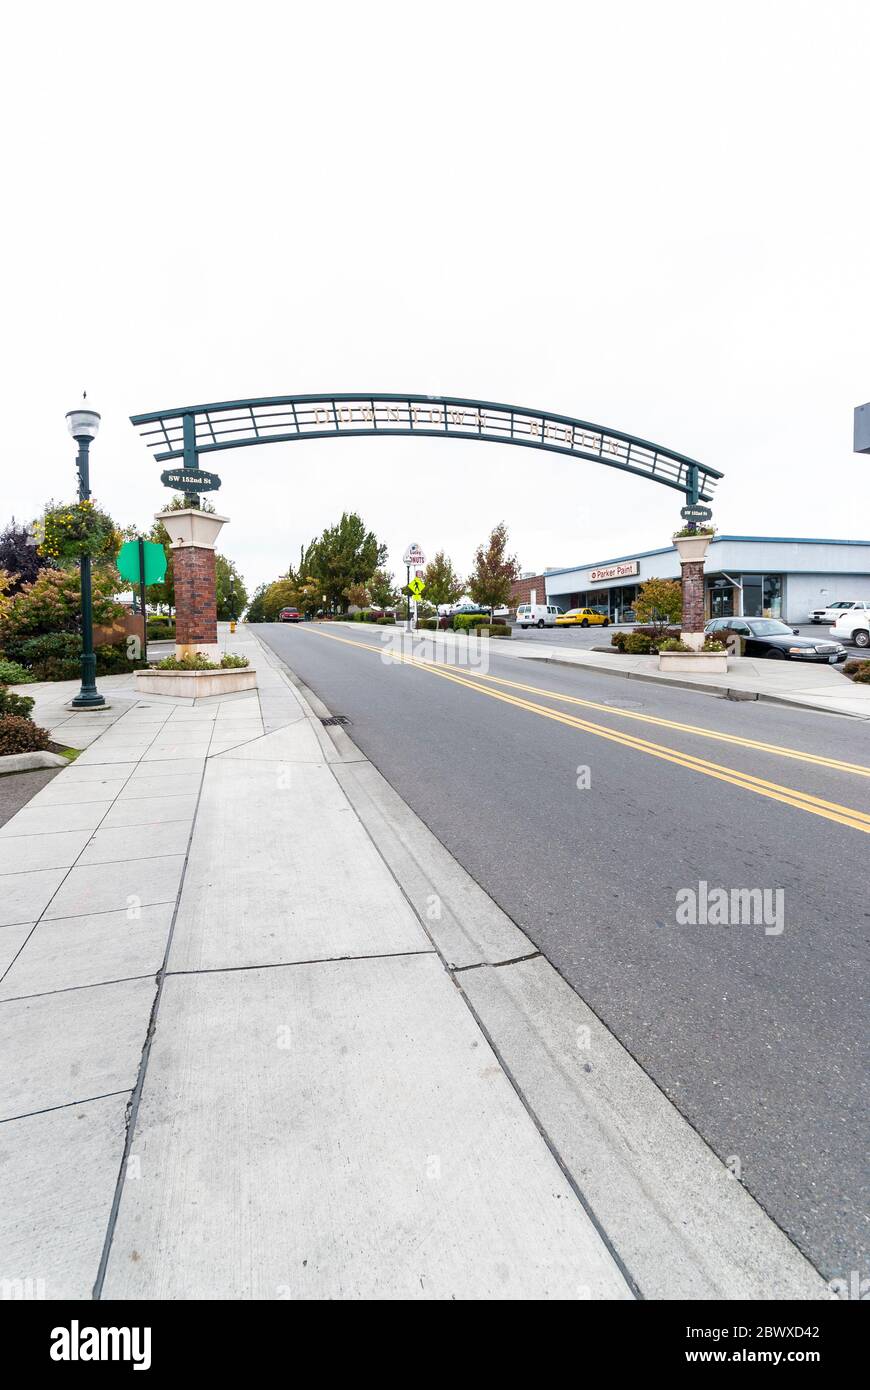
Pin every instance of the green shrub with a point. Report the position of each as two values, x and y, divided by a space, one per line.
499 630
428 624
56 656
11 703
195 661
13 673
859 671
114 661
465 622
384 622
160 629
618 640
637 644
712 644
20 735
673 644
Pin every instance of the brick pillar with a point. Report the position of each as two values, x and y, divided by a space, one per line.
195 598
193 535
693 600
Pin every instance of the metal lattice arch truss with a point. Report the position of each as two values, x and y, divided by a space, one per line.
188 431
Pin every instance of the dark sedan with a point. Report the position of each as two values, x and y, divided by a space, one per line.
768 637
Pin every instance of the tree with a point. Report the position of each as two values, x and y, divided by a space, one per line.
345 554
660 602
443 584
19 556
382 587
230 603
52 603
357 596
280 594
256 608
164 592
494 571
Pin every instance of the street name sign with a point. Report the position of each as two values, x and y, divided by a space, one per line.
695 513
128 562
190 479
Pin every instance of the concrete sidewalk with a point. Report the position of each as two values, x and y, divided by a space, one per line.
811 686
263 1037
313 1110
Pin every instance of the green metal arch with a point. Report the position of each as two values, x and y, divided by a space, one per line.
185 432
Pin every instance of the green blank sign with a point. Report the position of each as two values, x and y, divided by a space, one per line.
128 562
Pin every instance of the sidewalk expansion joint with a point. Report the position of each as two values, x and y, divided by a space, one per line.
132 1109
73 989
494 964
66 1105
291 964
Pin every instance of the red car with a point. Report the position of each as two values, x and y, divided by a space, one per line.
290 615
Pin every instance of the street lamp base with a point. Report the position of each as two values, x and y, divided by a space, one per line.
88 699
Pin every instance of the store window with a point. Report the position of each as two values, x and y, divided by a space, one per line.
772 596
752 595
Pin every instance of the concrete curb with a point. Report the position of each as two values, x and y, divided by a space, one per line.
674 1218
727 692
26 762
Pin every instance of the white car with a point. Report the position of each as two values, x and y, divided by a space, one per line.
833 611
537 614
853 625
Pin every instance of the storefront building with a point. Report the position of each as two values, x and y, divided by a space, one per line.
752 576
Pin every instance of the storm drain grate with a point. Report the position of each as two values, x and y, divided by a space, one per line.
336 719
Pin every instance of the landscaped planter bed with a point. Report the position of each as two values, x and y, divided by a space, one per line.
195 685
710 663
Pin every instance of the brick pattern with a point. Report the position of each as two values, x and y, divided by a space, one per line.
693 595
195 595
521 591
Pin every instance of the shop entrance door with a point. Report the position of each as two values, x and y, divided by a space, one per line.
722 601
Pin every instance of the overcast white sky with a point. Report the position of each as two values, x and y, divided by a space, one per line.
649 215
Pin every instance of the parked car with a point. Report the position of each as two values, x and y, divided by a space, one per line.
468 608
537 614
289 615
768 637
833 611
501 613
583 617
854 625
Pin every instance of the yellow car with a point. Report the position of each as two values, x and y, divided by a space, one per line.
582 617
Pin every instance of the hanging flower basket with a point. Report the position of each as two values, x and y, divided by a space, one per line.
66 533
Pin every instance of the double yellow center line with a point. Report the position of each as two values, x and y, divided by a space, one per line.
790 796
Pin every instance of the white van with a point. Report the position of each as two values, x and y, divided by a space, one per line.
537 614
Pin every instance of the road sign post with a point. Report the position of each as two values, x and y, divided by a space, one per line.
141 549
412 556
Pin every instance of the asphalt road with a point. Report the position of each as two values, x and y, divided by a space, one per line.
757 1036
16 789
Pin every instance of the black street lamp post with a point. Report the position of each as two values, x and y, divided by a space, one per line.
83 426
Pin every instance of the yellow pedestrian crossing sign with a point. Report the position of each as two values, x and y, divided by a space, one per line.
416 588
